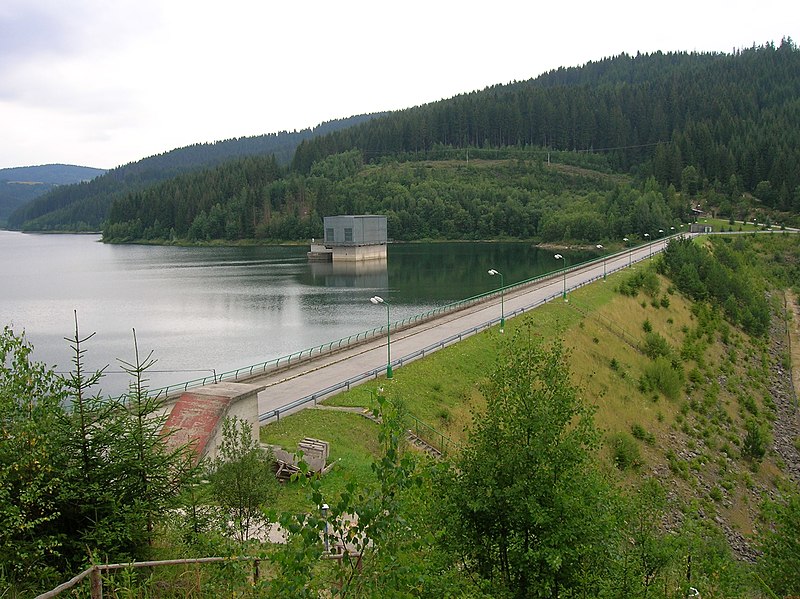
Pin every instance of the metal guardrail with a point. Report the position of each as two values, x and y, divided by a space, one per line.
376 372
431 436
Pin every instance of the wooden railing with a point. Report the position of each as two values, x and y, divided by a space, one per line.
95 573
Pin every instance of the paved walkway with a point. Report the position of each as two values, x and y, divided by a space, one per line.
328 374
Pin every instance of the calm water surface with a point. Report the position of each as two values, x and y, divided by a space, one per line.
206 309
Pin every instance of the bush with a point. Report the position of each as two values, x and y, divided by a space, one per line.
656 345
625 451
780 563
646 280
639 432
678 466
749 404
647 326
756 440
662 376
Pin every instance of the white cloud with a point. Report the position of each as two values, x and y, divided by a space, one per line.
105 83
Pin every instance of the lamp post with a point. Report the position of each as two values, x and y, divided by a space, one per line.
647 235
600 247
560 257
628 245
493 272
379 300
324 509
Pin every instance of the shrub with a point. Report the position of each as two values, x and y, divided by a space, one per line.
660 375
625 451
639 432
756 440
678 466
647 326
749 404
650 283
646 280
656 345
780 564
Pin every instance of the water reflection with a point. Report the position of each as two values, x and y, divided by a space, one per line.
370 274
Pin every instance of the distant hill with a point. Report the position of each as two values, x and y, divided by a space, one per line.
54 174
84 206
22 184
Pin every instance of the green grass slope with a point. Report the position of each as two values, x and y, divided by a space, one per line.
679 393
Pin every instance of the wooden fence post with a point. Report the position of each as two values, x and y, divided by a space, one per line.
97 583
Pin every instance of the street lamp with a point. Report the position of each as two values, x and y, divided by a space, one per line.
647 235
560 257
493 272
600 247
628 245
324 509
379 300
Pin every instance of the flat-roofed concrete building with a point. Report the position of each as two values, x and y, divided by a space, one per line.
351 238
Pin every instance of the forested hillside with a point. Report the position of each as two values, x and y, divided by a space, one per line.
715 129
22 184
733 118
535 159
85 206
423 199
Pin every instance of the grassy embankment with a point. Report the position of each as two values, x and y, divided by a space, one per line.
687 429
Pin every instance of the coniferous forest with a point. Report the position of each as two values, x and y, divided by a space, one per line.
713 129
540 159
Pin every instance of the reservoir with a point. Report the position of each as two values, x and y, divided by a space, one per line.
206 310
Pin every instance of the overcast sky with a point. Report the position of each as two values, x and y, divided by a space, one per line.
106 82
